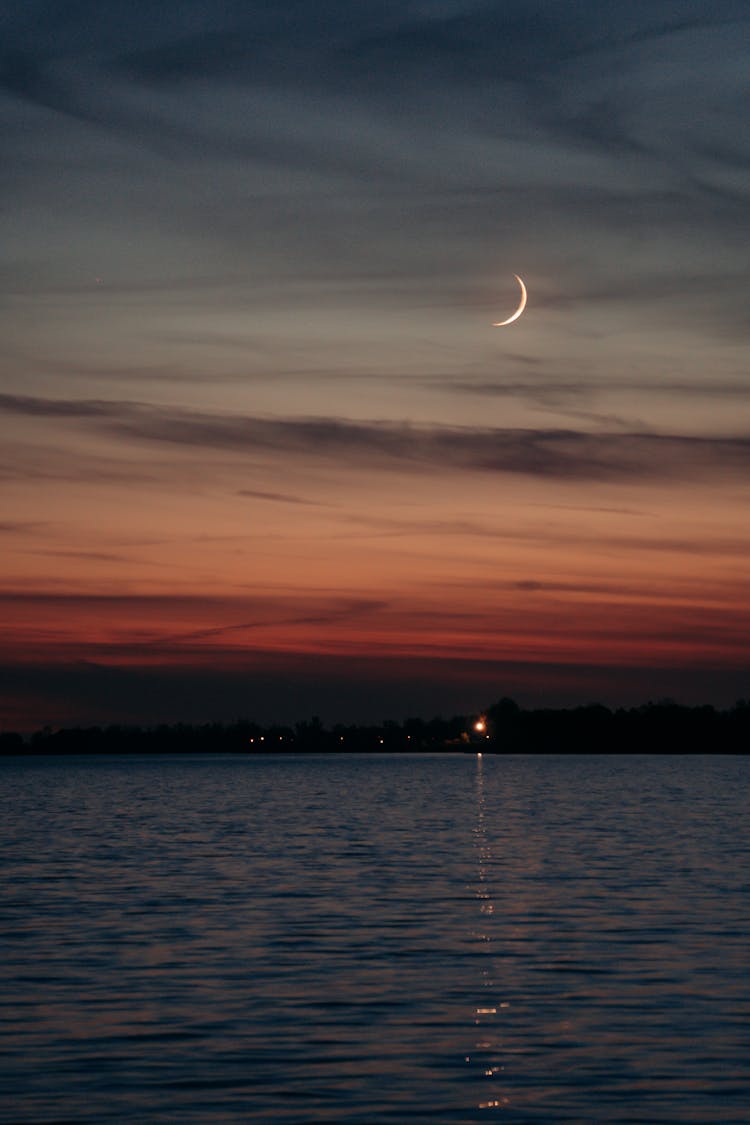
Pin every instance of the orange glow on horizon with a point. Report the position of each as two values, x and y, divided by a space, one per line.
535 574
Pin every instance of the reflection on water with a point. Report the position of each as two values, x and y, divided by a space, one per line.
487 1054
365 940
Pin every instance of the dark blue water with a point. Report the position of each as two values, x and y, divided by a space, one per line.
367 939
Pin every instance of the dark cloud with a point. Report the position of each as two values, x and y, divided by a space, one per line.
379 44
94 556
530 71
555 391
547 453
52 408
88 600
279 498
16 527
411 143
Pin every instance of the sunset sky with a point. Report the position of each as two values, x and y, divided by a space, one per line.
264 453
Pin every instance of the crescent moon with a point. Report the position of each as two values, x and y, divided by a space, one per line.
519 310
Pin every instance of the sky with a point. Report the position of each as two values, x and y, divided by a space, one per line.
263 453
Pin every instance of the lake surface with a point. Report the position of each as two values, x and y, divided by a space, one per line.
369 939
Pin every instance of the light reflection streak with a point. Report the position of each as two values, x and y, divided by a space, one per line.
488 1046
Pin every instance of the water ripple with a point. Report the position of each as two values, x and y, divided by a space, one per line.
375 940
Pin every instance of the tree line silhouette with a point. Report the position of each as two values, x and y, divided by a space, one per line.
504 727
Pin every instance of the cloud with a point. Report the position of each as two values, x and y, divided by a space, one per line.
280 498
34 407
453 531
545 453
94 556
20 527
318 91
553 391
345 610
140 622
254 139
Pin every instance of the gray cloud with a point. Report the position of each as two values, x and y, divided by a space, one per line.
279 498
408 144
554 391
546 453
521 69
34 407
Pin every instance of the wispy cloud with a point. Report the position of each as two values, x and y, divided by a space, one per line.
19 527
92 556
343 610
545 453
554 391
280 498
453 531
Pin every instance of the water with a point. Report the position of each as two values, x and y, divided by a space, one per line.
364 939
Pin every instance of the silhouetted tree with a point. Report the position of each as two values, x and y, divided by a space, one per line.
504 722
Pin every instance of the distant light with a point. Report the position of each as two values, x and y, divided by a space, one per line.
480 726
262 738
479 753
